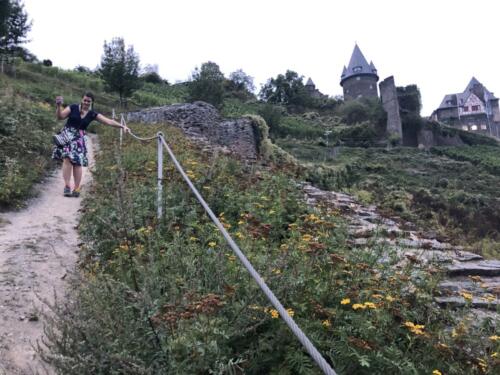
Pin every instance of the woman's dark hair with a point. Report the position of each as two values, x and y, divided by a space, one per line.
88 94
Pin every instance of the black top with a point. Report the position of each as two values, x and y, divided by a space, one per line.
75 121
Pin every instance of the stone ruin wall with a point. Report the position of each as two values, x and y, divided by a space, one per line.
202 121
389 97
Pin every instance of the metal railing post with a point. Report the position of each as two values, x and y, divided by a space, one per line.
160 175
122 122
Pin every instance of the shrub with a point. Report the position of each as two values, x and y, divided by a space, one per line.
166 296
272 115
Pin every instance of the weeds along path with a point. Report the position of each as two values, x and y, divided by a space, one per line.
38 248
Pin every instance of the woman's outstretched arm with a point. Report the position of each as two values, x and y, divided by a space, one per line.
107 121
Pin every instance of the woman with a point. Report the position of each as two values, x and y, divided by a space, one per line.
74 154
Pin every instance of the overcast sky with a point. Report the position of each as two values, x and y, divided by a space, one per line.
437 44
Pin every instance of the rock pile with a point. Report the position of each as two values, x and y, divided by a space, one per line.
470 279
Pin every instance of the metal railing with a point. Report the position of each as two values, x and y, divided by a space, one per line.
304 340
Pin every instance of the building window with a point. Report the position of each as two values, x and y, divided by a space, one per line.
465 127
484 127
357 69
475 108
358 78
371 87
466 109
473 127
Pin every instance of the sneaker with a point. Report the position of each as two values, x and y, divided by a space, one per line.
75 193
67 191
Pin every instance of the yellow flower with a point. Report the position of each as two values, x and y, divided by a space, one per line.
326 323
290 312
206 187
276 271
466 295
212 244
284 247
307 237
292 226
232 258
357 306
389 298
488 298
494 338
193 239
241 222
436 372
377 296
345 301
482 363
370 305
417 329
494 355
442 346
239 235
274 314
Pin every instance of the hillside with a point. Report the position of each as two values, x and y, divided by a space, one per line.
168 296
27 119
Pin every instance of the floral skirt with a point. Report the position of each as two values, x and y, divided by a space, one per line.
75 151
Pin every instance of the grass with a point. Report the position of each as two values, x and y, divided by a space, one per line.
27 120
167 296
450 190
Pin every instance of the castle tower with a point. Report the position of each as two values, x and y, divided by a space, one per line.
359 79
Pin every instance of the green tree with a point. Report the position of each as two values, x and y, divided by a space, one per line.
14 27
120 68
207 84
240 85
4 15
409 99
287 89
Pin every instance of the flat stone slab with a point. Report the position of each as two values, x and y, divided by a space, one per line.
425 243
485 285
465 256
461 302
481 268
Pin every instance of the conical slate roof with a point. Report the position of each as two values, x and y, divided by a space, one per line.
310 82
358 66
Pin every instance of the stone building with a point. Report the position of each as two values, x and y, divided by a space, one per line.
312 90
475 109
359 79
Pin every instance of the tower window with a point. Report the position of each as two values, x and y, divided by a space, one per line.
357 69
465 127
475 108
358 78
473 127
484 127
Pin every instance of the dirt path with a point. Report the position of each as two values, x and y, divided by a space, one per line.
38 247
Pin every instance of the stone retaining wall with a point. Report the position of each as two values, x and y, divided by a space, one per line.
202 120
